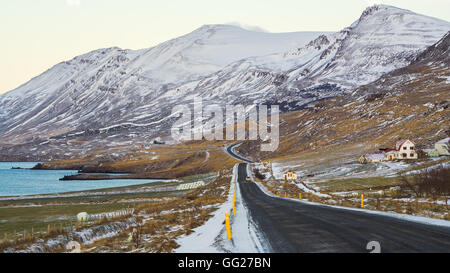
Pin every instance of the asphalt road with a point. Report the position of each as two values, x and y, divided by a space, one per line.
231 152
291 226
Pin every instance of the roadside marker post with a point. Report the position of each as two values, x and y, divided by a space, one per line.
234 206
299 196
227 224
285 194
362 200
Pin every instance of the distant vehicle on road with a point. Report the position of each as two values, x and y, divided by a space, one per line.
247 178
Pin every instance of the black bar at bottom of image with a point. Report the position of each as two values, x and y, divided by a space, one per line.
233 262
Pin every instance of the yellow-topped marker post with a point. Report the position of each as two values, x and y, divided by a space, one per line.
234 206
227 224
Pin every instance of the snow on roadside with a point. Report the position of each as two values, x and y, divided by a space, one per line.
211 237
306 189
245 235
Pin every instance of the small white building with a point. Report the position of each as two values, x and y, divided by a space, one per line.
371 158
290 176
406 149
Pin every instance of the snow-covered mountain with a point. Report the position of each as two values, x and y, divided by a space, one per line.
383 39
101 86
112 95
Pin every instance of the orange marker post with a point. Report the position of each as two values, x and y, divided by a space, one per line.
362 200
234 202
299 196
227 224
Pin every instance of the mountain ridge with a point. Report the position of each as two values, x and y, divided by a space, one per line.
121 95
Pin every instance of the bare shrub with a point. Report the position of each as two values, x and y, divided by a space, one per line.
375 96
259 175
137 236
431 182
421 154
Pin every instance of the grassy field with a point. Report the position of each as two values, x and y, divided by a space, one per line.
25 218
18 215
159 221
356 184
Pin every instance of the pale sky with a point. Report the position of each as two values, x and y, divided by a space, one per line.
37 34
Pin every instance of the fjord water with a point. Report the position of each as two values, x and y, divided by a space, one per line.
15 182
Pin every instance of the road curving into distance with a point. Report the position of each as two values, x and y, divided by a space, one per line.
231 151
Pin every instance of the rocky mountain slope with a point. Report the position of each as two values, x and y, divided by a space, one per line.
410 102
113 97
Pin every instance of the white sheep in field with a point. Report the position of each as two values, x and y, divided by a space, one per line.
380 193
394 190
82 217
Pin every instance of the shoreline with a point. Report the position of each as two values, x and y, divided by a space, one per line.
136 188
103 176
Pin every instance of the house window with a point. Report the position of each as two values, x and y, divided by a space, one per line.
411 148
411 155
404 155
404 148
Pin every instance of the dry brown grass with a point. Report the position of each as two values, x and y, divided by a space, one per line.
159 224
168 220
